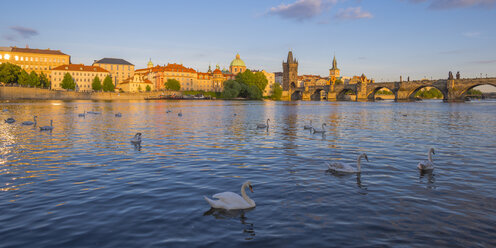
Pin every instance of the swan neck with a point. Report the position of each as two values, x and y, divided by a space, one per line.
359 161
243 193
430 156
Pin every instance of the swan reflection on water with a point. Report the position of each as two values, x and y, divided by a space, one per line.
345 176
430 179
222 214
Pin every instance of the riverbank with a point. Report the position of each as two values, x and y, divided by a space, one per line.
23 93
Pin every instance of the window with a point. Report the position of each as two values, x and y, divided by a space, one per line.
16 58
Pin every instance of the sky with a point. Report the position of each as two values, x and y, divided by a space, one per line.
383 39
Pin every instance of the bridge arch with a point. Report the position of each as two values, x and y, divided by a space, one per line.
411 95
463 92
317 95
297 95
371 96
345 95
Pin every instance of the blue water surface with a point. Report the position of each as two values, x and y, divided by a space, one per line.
85 185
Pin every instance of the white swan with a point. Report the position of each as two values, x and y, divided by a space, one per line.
308 126
264 125
346 168
118 114
320 131
231 201
28 123
83 114
10 120
47 128
427 165
136 139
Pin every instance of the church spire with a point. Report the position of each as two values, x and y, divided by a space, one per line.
334 63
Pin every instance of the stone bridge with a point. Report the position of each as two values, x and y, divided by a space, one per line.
452 89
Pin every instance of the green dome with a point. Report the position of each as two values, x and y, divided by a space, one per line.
238 62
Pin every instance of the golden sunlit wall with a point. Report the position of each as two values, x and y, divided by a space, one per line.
37 60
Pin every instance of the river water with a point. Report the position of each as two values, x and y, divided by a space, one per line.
85 185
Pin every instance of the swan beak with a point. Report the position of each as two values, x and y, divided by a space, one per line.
251 188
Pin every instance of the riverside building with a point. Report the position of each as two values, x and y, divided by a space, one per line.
82 75
119 69
37 60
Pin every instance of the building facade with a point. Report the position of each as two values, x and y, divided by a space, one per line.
83 76
119 69
237 65
188 78
138 83
37 60
289 72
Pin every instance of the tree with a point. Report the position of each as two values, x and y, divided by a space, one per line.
34 80
338 81
277 92
148 88
107 84
231 89
9 73
249 78
23 78
172 84
68 82
44 82
96 85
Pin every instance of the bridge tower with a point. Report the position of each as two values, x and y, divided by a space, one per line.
334 71
289 73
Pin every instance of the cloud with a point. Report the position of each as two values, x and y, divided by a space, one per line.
302 9
471 34
20 32
453 4
485 62
24 32
10 37
352 13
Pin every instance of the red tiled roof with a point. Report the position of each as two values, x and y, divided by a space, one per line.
178 68
79 67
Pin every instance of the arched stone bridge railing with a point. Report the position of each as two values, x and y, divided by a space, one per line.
453 90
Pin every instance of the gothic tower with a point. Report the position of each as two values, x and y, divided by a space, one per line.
334 71
289 72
